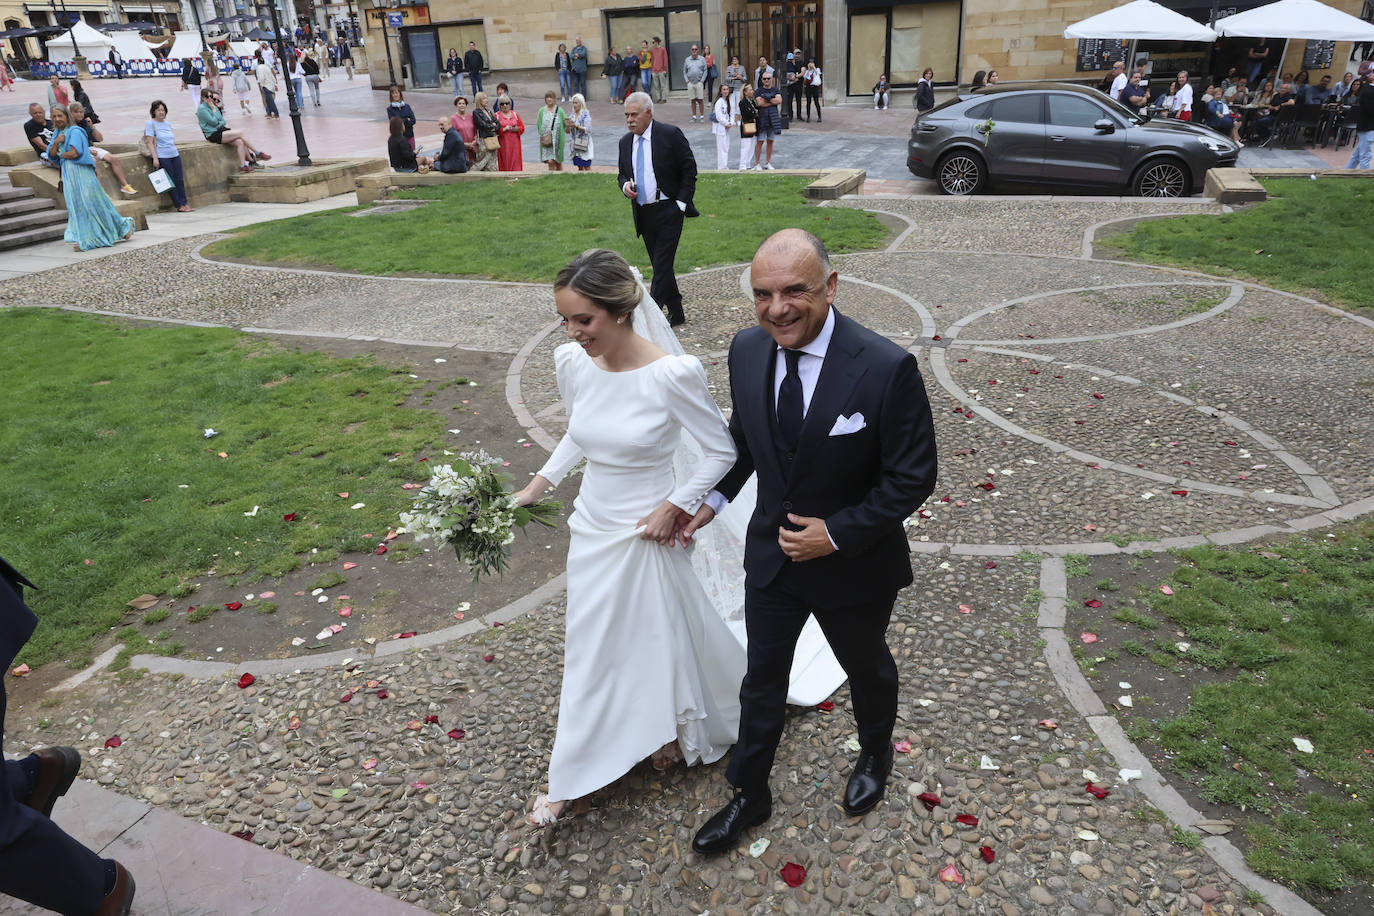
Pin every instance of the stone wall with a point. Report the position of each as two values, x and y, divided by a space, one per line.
1025 43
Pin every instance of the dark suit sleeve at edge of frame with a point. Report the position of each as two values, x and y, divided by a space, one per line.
907 443
731 483
623 163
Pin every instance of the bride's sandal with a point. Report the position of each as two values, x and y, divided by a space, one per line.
544 812
665 757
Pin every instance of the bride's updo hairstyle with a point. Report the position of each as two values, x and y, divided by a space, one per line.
605 278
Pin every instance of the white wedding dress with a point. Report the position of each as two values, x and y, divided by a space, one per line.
649 656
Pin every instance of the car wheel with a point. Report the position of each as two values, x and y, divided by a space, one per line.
961 172
1161 178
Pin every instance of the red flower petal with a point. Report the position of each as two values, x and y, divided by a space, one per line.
929 799
1049 723
968 820
987 853
190 609
243 835
963 360
1230 443
406 635
937 337
293 723
1097 396
1179 492
488 658
988 485
965 609
246 681
345 698
793 874
382 694
1097 791
989 565
431 720
1092 602
381 549
457 734
1033 371
234 605
289 517
826 705
116 741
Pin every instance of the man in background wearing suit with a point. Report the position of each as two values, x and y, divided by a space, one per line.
658 173
39 862
834 420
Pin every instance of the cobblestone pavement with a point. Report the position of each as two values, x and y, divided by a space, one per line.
1080 405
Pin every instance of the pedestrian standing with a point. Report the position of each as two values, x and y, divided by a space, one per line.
768 100
579 125
646 68
1183 98
811 85
735 77
793 100
658 57
925 90
166 156
712 74
190 81
723 117
562 65
267 85
579 68
454 68
474 64
488 139
1364 130
694 72
311 68
748 116
345 56
610 70
116 60
241 89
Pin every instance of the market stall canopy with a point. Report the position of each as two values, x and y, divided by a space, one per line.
129 27
186 44
1142 20
91 42
262 35
1296 19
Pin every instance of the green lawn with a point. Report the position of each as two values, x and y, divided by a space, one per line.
111 489
528 229
1310 237
1292 627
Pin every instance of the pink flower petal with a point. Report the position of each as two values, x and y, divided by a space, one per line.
370 763
382 694
1088 637
346 611
965 609
415 725
1166 590
1179 492
950 874
20 670
345 698
488 657
989 565
234 605
1049 724
348 566
1098 396
902 747
293 723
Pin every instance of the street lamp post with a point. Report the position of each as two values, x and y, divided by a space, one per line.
302 151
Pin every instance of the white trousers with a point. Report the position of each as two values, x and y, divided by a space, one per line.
746 152
723 149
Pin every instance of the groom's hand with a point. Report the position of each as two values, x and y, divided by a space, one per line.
811 542
694 524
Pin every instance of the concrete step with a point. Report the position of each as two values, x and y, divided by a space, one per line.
32 220
34 236
14 207
11 193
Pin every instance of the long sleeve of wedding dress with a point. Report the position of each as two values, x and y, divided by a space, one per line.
690 404
567 453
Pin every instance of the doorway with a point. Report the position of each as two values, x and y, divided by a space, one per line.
422 47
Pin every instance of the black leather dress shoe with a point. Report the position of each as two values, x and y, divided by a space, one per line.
57 769
724 828
867 782
676 318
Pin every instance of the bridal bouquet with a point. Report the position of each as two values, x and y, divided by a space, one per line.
466 505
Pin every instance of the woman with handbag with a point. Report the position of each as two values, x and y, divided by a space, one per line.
488 143
722 119
712 74
311 68
549 124
748 117
160 143
579 127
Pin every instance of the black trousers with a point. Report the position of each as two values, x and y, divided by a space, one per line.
794 99
813 94
660 224
774 617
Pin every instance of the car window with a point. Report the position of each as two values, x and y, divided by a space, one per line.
1018 109
1074 111
979 112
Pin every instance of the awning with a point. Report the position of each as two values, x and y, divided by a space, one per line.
1142 20
1297 19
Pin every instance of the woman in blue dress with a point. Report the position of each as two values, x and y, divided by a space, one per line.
92 220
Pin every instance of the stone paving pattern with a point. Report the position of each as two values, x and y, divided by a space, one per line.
438 821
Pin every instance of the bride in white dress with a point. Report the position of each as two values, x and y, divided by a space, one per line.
652 662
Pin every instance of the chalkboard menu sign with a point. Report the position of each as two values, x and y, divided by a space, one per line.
1316 55
1100 53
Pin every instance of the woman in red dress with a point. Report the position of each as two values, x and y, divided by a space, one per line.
508 158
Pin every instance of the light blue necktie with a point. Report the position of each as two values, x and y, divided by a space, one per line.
640 194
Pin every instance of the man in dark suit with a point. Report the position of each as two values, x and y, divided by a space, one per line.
39 863
658 173
834 420
453 158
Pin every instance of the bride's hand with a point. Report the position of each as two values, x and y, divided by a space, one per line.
661 525
530 495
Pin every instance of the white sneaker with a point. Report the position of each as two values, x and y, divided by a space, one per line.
758 168
769 165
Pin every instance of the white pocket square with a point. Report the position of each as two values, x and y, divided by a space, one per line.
846 425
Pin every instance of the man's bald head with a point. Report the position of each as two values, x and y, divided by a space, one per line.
794 286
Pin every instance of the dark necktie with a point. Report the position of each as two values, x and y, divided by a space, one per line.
790 401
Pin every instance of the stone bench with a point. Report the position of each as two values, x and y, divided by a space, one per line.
1241 186
826 184
207 167
288 183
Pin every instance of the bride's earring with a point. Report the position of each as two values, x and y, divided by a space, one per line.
620 320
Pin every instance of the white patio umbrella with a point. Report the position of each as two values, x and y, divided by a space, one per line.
1142 20
1296 19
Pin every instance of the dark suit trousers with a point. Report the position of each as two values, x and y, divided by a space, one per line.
661 226
39 863
774 617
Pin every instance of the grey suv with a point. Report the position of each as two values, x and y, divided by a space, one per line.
1060 134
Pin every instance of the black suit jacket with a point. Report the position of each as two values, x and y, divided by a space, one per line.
453 157
864 484
675 168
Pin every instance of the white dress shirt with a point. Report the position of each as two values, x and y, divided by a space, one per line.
649 179
1118 84
1183 100
809 371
